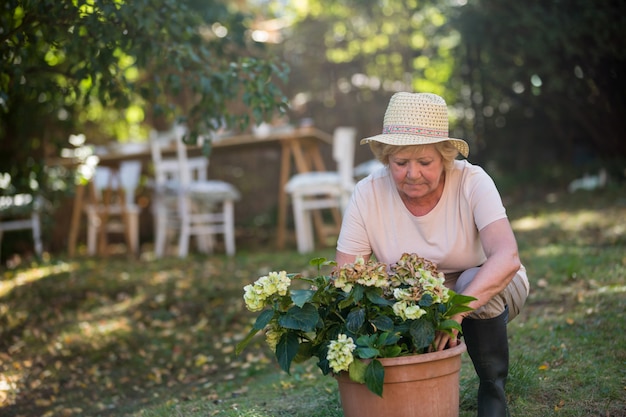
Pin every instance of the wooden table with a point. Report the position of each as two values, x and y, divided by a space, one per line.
300 152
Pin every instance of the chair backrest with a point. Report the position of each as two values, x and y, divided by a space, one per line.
165 169
344 138
126 177
181 169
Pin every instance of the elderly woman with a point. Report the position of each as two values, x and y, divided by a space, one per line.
426 201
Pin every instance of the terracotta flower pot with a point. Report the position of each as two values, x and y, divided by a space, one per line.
421 385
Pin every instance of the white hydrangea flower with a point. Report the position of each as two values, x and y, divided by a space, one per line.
257 294
399 309
342 283
402 294
414 312
272 336
434 285
254 300
340 353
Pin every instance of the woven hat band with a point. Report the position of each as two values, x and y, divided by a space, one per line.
415 130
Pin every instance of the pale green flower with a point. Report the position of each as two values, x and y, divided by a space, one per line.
402 294
408 310
414 312
369 274
342 283
276 283
254 300
434 285
256 295
273 332
399 309
340 353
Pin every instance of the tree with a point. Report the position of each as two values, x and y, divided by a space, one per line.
348 57
531 86
184 57
545 79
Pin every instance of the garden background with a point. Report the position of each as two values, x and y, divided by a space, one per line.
536 89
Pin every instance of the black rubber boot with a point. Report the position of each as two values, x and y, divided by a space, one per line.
488 347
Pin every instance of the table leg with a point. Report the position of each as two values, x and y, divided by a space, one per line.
304 156
316 157
282 195
75 222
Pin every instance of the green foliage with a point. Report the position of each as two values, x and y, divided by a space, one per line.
372 313
528 84
374 377
185 58
396 45
286 350
543 76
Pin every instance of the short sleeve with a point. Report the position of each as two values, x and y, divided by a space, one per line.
483 197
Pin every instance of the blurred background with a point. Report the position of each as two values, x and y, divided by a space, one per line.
536 88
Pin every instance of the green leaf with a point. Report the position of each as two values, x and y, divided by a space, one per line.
382 323
426 301
392 351
460 298
357 371
287 349
345 303
375 377
374 295
357 293
448 325
367 340
454 310
355 320
305 351
422 333
300 318
263 319
387 339
301 297
366 352
242 345
317 262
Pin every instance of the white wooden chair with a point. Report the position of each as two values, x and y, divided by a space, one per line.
112 208
313 191
365 168
186 201
21 212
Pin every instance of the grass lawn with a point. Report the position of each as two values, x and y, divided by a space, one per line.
109 337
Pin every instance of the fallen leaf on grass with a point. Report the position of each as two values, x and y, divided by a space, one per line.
559 405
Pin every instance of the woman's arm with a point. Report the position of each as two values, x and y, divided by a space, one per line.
343 258
501 265
493 276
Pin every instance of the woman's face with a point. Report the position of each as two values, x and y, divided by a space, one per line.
417 172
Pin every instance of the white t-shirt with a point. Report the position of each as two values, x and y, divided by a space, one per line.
377 221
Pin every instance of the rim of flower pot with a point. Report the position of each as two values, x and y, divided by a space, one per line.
426 357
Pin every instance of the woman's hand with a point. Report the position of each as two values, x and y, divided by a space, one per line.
443 339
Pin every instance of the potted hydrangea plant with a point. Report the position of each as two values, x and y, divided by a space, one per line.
354 317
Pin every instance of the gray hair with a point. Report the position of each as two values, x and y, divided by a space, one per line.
383 151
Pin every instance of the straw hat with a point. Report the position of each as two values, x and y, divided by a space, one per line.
416 119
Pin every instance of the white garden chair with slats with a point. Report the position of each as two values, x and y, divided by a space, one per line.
21 212
314 191
185 201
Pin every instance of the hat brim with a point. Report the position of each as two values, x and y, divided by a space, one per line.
408 140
